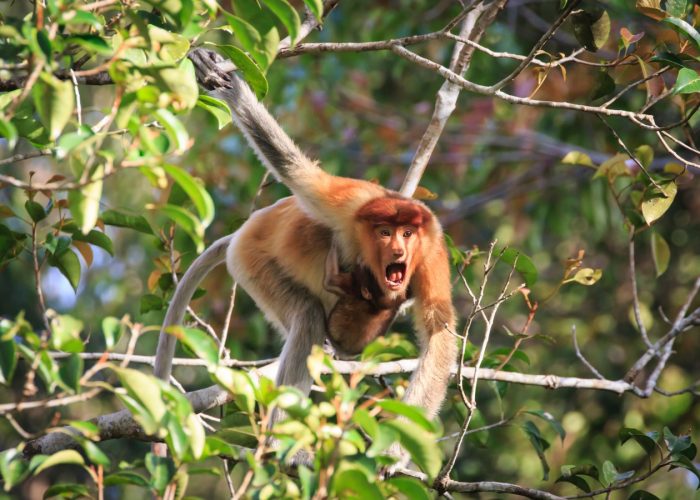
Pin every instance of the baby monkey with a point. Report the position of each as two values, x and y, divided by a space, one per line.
363 312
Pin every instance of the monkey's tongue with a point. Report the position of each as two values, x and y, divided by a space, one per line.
395 272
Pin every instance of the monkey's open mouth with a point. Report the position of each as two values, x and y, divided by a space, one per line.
395 274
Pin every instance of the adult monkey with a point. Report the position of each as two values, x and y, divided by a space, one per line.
279 255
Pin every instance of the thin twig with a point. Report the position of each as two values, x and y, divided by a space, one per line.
581 357
635 297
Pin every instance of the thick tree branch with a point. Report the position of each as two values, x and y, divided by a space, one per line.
121 424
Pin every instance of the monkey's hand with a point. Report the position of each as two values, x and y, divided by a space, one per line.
403 458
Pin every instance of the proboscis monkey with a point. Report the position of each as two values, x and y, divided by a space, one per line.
279 254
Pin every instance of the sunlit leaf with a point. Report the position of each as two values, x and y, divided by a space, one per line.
646 441
198 341
8 360
587 276
85 202
54 100
251 72
65 332
523 264
218 108
687 82
174 129
195 190
412 413
421 444
656 203
287 15
9 132
112 329
187 221
70 370
61 458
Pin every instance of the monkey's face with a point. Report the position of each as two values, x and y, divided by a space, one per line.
395 248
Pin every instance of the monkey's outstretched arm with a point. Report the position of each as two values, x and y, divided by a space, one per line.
329 199
202 265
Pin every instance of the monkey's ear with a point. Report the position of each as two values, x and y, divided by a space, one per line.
365 293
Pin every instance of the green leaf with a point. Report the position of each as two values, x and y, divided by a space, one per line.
67 490
577 158
676 444
421 444
354 483
366 421
553 422
239 384
660 253
251 72
604 86
67 262
412 413
70 141
126 477
655 203
197 193
384 437
677 8
91 43
145 390
112 329
150 302
287 15
643 495
13 468
176 131
523 264
591 28
8 360
82 17
250 39
86 428
217 108
687 464
161 470
35 210
54 100
70 370
181 81
137 222
539 444
684 29
610 475
65 333
577 481
198 341
687 82
97 238
316 8
61 458
9 132
646 441
410 488
184 219
85 202
645 155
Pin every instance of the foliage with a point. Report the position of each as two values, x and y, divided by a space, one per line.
118 170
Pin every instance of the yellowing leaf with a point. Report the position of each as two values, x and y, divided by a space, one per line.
655 205
587 276
674 168
61 457
577 158
54 100
423 193
614 167
651 8
660 253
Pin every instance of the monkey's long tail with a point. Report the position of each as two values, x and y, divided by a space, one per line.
272 145
202 265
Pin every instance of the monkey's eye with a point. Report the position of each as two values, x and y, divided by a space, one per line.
408 233
384 232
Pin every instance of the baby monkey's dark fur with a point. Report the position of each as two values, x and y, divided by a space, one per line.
363 311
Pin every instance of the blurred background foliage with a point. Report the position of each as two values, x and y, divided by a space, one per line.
498 175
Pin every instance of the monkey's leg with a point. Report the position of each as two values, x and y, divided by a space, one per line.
308 328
